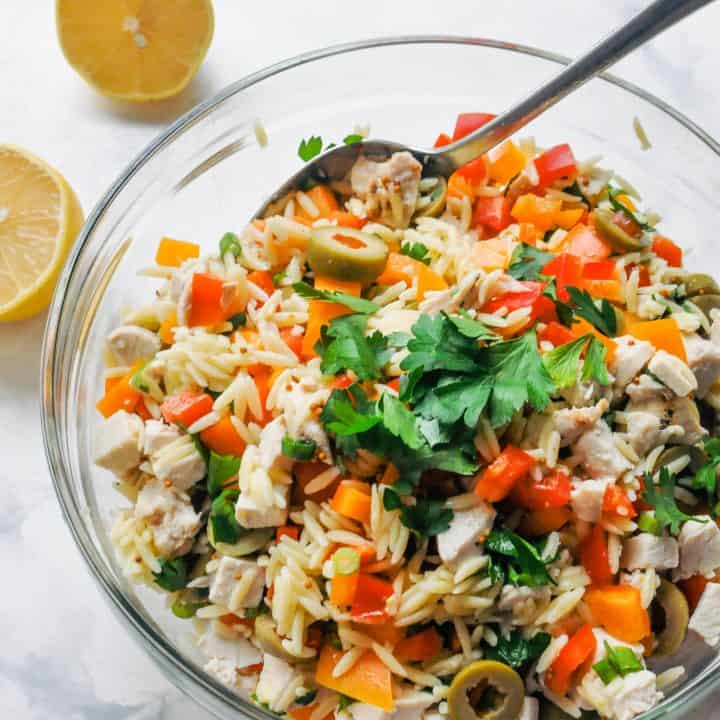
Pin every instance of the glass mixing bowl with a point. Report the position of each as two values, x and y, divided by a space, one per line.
207 174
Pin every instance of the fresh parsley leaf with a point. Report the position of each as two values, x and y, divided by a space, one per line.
563 362
495 572
310 148
564 311
220 469
706 477
239 320
517 651
225 528
662 498
427 517
343 345
391 500
417 251
353 138
356 304
173 574
619 207
399 421
601 318
527 262
471 328
525 566
341 416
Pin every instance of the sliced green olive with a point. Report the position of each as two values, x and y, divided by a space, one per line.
697 457
437 199
671 605
266 635
346 254
700 284
616 237
248 543
486 690
706 303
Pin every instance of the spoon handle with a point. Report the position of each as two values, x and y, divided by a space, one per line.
659 16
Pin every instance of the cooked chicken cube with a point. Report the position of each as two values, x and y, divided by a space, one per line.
672 372
705 620
179 462
586 498
466 528
699 547
118 443
389 189
158 435
250 515
645 389
645 431
130 343
227 654
237 584
649 551
170 515
704 361
573 422
631 356
275 678
598 453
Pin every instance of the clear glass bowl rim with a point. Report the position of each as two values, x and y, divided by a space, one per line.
181 673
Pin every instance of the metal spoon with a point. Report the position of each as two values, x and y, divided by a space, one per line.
334 164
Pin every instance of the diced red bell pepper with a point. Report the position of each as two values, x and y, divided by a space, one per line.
497 479
442 140
552 491
693 588
593 551
567 270
666 249
492 212
467 123
369 603
600 270
206 300
556 163
293 340
543 307
263 280
475 171
556 333
342 382
575 652
186 407
617 502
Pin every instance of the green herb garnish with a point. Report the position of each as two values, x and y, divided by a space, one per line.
417 251
230 243
299 449
662 498
356 304
524 564
563 362
225 528
517 651
173 574
310 148
220 469
602 318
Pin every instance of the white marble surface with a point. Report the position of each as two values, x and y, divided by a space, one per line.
63 656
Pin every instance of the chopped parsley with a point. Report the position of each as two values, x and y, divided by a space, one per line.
352 138
220 469
517 651
425 518
524 564
662 498
173 574
601 317
527 262
356 304
310 148
563 362
344 702
417 251
239 320
706 477
618 662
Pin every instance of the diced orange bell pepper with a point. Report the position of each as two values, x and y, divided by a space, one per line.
422 646
542 522
552 491
663 334
349 287
506 162
583 327
540 211
186 407
593 552
324 200
173 253
493 254
264 376
567 219
403 268
206 300
121 395
293 340
580 647
666 249
347 219
165 333
352 503
263 280
618 608
368 605
496 481
460 186
607 289
528 234
304 712
343 589
386 634
583 241
223 438
617 502
320 313
369 680
110 381
292 531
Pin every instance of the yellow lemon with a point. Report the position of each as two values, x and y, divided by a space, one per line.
40 216
135 49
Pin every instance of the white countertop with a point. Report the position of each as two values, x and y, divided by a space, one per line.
63 656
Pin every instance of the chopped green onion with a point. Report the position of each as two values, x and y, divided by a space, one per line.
138 380
298 449
648 523
229 242
346 561
624 659
220 469
307 698
605 670
238 320
278 277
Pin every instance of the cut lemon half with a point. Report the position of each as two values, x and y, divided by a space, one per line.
40 216
135 49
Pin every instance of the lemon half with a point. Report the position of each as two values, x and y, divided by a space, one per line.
40 216
136 50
